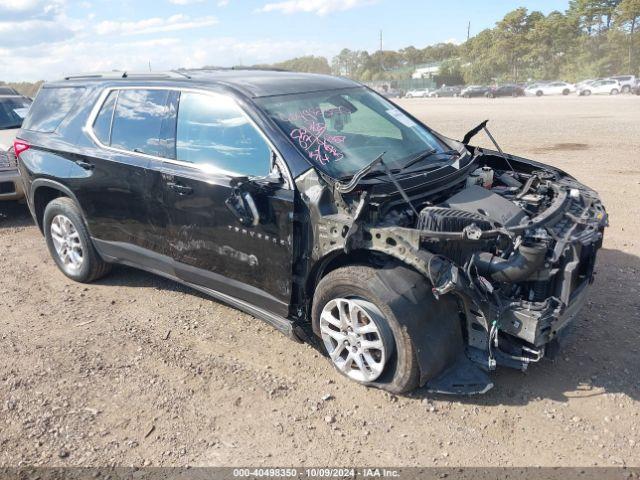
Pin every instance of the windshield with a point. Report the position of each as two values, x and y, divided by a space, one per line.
341 131
12 112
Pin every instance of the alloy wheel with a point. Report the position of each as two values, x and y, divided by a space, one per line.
66 241
354 334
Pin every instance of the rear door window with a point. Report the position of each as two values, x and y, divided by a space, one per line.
51 107
137 120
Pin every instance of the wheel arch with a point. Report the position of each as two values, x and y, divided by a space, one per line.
43 191
338 259
435 326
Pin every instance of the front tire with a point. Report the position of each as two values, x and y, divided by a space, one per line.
626 89
539 93
351 301
615 91
69 242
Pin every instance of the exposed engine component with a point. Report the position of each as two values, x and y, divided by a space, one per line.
482 177
517 268
493 206
439 219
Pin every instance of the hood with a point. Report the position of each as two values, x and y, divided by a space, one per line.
7 137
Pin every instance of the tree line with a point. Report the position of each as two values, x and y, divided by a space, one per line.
592 38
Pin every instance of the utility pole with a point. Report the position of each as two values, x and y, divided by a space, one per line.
469 30
380 40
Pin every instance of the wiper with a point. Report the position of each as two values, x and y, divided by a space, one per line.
428 154
359 175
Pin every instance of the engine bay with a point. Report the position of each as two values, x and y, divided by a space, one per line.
520 245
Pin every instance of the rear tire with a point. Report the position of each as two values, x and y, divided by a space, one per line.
587 93
615 91
539 93
626 89
401 372
69 242
566 92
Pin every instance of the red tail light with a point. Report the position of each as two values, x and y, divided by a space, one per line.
19 146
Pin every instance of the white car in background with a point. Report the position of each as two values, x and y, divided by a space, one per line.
627 82
608 86
589 81
552 88
419 93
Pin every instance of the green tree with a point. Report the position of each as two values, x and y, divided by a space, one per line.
628 15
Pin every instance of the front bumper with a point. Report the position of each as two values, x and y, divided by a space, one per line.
11 185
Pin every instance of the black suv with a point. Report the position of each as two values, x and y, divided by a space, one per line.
506 91
319 206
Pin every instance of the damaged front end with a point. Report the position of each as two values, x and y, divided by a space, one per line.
511 241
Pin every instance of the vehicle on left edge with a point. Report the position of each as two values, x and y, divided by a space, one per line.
13 109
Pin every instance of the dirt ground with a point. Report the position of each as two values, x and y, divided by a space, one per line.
136 370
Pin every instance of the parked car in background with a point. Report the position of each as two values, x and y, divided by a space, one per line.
419 93
600 87
552 88
509 90
582 83
445 91
474 91
13 109
627 82
636 87
392 93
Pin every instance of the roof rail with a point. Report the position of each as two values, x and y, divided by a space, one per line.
123 74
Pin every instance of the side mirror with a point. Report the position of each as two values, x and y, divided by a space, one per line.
274 178
243 207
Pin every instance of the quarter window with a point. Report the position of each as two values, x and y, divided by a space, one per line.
213 132
50 108
137 120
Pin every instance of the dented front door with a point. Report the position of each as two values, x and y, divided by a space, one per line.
212 248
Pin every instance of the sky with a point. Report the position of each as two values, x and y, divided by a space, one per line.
48 39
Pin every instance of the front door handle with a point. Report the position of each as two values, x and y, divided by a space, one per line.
85 165
180 189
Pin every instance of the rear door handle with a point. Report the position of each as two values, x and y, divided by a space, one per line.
180 189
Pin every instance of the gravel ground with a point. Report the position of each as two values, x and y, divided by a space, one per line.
136 370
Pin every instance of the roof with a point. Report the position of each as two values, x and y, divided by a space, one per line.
252 82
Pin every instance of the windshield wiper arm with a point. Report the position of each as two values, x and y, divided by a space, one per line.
360 174
428 154
403 194
348 187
